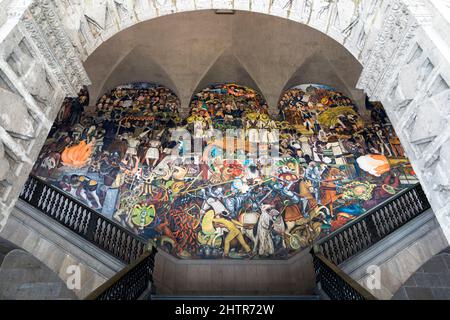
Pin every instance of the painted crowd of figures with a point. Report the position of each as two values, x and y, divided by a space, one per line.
334 163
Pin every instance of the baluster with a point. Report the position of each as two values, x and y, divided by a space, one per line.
89 226
63 217
34 192
392 219
415 203
59 202
42 198
400 214
94 229
69 214
48 203
112 241
75 219
102 234
364 228
344 246
82 222
406 205
352 242
134 249
330 251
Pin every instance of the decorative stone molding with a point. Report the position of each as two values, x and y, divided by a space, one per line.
37 70
391 44
90 23
45 29
408 69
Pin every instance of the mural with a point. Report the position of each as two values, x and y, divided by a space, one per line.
229 181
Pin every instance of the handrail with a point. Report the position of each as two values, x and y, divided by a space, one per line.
130 283
335 282
369 212
359 235
379 222
84 221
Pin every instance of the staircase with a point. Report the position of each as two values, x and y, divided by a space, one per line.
142 279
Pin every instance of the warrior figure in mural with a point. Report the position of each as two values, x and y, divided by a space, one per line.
233 232
314 174
270 188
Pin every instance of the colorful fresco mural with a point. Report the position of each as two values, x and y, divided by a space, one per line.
268 188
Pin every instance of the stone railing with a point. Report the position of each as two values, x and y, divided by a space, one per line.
131 283
335 283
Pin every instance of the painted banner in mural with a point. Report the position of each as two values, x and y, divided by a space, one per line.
236 183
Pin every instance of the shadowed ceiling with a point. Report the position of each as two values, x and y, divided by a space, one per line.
188 51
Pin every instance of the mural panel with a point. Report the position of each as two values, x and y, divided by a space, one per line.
229 181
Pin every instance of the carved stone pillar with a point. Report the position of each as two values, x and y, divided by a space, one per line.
38 69
408 70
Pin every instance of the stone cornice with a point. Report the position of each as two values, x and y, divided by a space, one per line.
46 31
402 20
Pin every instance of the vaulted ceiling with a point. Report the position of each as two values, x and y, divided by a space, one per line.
188 51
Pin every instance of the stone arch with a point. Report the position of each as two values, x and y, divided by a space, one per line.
231 49
343 21
227 68
308 73
319 70
151 72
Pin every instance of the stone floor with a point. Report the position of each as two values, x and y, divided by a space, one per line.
430 282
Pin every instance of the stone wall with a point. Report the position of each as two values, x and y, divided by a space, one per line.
398 256
58 248
408 70
402 45
177 277
37 70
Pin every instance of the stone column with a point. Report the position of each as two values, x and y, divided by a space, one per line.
408 70
38 69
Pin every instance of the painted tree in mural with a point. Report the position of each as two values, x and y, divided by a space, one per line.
229 180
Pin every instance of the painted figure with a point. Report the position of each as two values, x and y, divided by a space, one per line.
270 188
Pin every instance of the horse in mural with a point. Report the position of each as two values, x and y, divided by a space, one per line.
329 194
314 218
